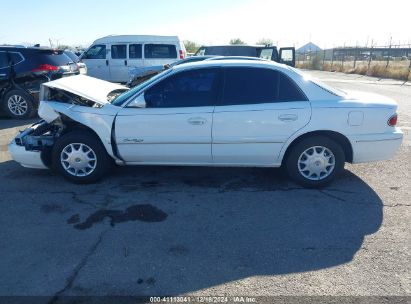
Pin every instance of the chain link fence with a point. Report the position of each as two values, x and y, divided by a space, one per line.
393 61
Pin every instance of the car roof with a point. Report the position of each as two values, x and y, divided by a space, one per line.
24 49
136 38
215 57
231 62
237 46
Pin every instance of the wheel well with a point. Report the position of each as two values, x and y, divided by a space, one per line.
70 126
337 137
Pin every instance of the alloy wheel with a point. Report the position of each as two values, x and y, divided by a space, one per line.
17 105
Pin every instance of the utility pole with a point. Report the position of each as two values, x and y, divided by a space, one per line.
389 53
370 55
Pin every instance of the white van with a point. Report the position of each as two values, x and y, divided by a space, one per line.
110 58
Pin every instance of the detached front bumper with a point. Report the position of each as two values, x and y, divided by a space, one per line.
376 147
28 159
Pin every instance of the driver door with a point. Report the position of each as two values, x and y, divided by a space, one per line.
97 62
170 123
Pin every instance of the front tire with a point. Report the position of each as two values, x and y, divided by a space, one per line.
80 157
315 161
19 104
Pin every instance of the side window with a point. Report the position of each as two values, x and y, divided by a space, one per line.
119 51
194 88
250 86
4 62
135 51
16 58
289 90
163 51
96 52
267 53
259 85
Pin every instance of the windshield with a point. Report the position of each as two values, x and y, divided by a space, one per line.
72 56
120 99
319 83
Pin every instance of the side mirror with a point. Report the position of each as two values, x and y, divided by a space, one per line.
139 102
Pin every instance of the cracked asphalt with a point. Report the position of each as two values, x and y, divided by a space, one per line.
209 231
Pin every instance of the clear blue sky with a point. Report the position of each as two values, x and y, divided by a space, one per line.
80 22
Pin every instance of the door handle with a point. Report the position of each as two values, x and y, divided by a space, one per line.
106 61
197 121
288 117
125 62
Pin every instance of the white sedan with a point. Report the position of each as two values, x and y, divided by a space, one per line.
212 113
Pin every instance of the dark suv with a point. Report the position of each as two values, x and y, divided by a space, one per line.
22 70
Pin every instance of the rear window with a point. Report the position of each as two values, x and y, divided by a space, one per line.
319 83
163 51
56 58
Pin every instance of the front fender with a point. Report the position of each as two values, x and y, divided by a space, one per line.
99 120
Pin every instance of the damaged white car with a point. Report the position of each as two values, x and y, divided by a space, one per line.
212 113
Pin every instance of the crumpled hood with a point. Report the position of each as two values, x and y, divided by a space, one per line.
85 86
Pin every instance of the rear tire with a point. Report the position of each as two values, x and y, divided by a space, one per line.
315 161
80 157
19 104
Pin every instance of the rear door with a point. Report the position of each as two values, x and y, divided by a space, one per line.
118 62
287 56
135 55
260 109
97 62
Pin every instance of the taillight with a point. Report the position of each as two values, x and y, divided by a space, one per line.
392 122
182 54
45 68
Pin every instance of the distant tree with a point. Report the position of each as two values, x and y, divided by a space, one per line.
236 41
265 41
191 46
63 47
